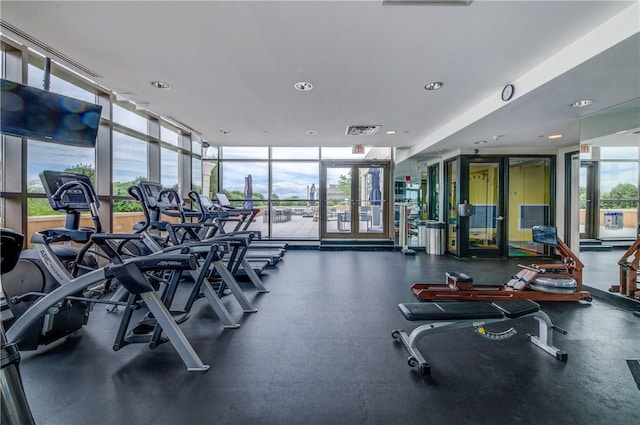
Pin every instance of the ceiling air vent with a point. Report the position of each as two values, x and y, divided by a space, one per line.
362 130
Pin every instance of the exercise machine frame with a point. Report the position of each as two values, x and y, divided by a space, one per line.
459 286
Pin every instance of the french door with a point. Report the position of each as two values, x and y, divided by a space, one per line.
353 200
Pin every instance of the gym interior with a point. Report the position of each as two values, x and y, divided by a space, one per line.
198 250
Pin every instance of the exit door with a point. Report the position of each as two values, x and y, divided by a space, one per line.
353 200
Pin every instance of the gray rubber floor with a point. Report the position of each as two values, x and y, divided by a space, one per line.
319 351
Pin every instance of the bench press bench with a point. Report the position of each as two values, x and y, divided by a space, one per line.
451 315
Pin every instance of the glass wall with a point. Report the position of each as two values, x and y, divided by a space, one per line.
131 149
283 182
529 202
610 174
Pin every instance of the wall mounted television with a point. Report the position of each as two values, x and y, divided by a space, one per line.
37 114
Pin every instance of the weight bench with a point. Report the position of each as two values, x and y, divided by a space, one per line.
452 315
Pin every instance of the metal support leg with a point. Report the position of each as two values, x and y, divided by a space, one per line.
544 339
173 332
232 284
215 302
15 407
253 276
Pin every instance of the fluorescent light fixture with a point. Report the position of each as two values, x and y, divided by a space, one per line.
390 132
555 136
426 2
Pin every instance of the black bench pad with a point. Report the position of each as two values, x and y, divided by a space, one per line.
456 310
516 308
467 310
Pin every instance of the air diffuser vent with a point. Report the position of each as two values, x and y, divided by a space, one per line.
46 49
362 130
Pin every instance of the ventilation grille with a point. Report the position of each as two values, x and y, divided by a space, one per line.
46 48
362 130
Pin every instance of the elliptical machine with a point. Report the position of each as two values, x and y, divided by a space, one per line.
54 261
15 407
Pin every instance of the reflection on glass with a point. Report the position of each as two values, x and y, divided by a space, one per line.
529 202
50 156
618 199
294 180
244 152
129 119
210 152
209 178
483 195
338 196
169 135
452 202
129 162
169 168
196 174
295 153
57 84
233 179
347 153
619 152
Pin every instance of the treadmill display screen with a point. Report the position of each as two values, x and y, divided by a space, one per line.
74 198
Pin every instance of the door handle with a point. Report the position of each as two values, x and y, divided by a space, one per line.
499 218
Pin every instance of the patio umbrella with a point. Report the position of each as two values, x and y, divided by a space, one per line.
375 195
248 192
312 194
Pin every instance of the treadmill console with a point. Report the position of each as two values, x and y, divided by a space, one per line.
74 198
156 199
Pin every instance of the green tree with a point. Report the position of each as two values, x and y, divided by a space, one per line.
344 184
86 169
622 195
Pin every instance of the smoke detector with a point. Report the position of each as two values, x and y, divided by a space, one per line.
362 130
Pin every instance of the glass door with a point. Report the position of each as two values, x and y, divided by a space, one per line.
589 200
482 232
353 200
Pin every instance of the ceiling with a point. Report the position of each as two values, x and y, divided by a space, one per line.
232 66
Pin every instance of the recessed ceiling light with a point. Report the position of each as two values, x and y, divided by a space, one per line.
434 85
391 132
480 142
311 132
225 131
303 86
555 136
581 103
161 85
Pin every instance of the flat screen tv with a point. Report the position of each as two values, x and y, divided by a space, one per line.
37 114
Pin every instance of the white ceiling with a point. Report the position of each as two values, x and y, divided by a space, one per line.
233 64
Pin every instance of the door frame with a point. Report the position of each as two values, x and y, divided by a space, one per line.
501 249
592 207
353 233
